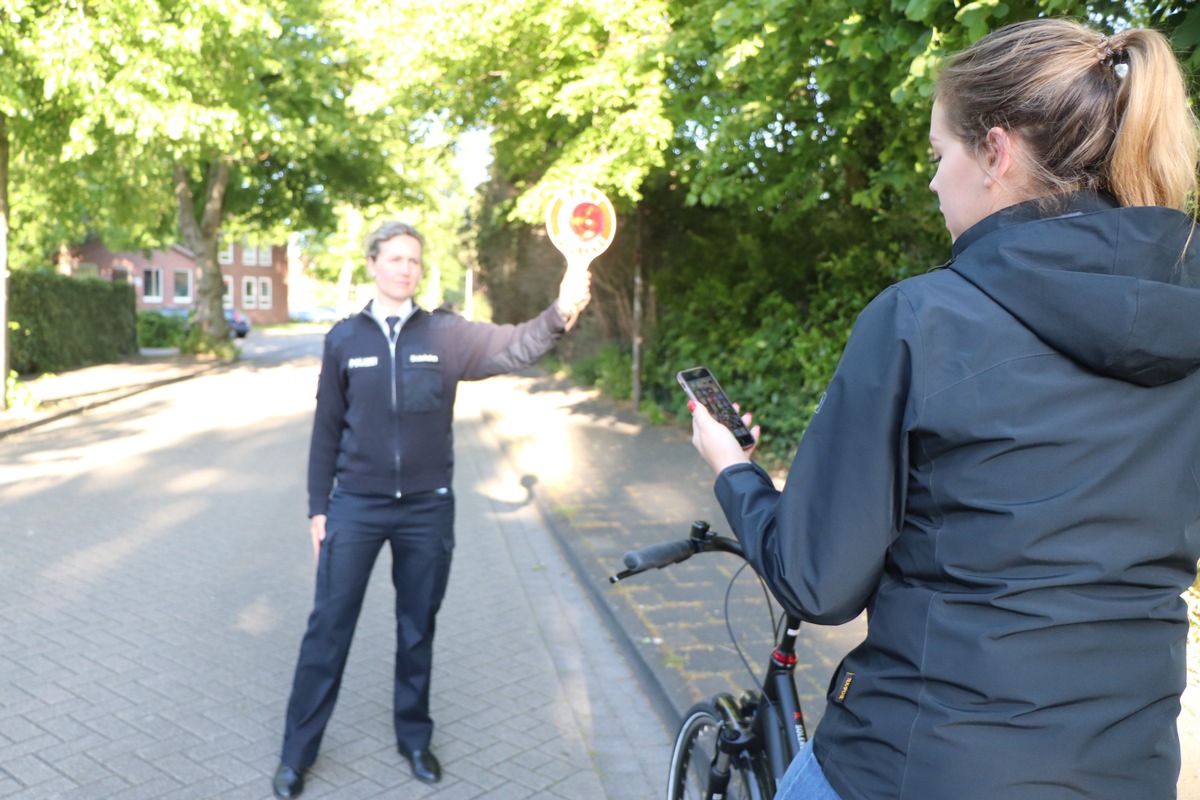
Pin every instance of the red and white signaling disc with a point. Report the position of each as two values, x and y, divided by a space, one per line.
581 223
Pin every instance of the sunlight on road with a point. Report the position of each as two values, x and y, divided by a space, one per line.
545 451
548 453
153 421
168 452
259 617
197 480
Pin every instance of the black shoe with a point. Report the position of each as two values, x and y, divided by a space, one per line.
288 782
425 766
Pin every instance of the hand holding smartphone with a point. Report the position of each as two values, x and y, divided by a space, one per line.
702 387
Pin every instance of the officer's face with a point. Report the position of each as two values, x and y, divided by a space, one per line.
397 268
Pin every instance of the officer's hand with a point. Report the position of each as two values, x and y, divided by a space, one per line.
575 291
316 526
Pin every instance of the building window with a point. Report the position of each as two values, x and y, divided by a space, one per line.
224 251
249 300
264 292
227 292
87 271
181 292
254 256
120 275
152 285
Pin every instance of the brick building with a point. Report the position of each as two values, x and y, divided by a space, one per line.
256 276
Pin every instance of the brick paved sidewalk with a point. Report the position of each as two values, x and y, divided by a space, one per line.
609 482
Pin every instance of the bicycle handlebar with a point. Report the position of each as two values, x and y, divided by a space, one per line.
659 555
664 554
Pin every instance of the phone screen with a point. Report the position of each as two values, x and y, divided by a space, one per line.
702 387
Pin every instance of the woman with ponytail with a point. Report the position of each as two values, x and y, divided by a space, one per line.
1005 469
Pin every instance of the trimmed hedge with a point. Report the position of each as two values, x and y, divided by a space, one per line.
59 323
155 329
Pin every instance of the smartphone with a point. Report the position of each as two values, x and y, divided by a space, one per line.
702 387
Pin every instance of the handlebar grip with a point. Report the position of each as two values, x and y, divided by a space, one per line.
659 555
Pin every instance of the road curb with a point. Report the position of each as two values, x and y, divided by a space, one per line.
102 398
660 698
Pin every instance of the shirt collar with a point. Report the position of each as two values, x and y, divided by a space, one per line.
405 311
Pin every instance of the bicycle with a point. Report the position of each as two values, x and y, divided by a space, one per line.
729 748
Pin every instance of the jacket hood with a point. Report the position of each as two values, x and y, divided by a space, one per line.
1115 289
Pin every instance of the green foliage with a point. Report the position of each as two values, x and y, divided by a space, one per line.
610 369
197 342
160 330
653 412
614 371
773 353
800 155
570 92
121 110
17 394
62 323
582 370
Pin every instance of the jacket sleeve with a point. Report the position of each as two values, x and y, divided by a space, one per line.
328 422
488 349
822 542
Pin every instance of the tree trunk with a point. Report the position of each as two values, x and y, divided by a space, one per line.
4 260
637 310
201 236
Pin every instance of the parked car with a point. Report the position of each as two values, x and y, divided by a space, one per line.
172 311
238 324
319 314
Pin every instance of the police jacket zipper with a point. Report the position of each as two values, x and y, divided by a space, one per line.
395 378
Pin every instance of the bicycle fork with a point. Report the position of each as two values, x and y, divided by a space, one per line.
734 739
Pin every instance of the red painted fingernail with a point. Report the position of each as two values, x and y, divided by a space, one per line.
692 406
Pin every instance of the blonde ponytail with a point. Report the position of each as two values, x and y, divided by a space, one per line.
1153 158
1096 113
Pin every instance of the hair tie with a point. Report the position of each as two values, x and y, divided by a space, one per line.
1110 52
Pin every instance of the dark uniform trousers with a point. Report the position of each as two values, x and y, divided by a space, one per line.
420 530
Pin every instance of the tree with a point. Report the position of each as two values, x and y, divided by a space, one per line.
51 71
801 129
569 92
241 116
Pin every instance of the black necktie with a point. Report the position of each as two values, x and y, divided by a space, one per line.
392 323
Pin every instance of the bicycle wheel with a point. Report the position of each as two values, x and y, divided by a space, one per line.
692 760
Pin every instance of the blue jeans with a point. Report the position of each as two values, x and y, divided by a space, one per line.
804 779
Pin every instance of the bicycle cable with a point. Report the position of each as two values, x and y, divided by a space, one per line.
775 622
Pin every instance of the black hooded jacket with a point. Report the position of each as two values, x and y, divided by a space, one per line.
1005 474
